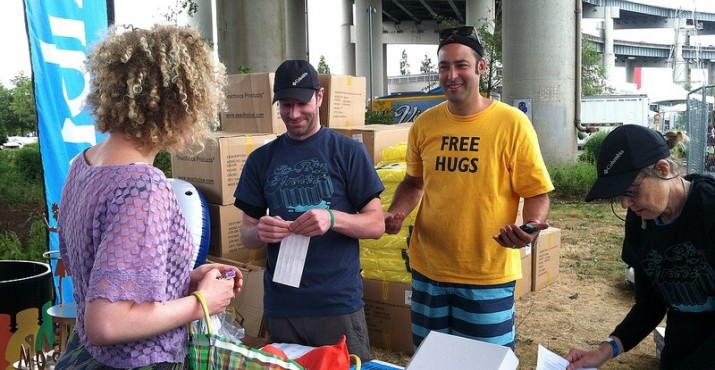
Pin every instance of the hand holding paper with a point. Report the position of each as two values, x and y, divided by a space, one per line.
547 360
291 260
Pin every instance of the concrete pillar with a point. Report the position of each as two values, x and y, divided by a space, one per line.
369 52
481 12
347 45
203 21
711 72
609 57
261 34
542 71
630 70
329 36
680 65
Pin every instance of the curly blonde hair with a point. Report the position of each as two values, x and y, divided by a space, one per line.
162 87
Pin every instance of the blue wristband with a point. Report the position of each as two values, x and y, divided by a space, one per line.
614 346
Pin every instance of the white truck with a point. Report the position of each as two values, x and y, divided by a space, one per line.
606 112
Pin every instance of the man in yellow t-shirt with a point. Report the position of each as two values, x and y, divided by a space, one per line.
469 160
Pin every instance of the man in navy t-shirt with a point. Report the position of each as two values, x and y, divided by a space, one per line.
314 182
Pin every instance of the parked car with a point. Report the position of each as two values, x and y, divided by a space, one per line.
12 145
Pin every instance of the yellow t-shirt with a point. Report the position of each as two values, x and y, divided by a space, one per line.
475 168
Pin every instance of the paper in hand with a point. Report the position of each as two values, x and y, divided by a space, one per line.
291 260
547 360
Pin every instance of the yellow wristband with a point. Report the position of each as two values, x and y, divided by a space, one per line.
332 218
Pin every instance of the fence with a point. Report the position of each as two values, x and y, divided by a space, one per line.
701 149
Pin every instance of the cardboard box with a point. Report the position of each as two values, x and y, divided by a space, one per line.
248 303
446 351
226 235
378 137
387 312
249 99
545 268
523 285
216 170
344 100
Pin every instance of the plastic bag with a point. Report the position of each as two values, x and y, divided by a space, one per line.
222 324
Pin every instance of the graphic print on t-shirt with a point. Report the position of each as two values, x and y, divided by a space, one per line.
304 186
459 154
683 276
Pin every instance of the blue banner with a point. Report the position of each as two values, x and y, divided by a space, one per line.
60 33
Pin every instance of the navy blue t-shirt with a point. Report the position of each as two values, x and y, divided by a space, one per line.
288 177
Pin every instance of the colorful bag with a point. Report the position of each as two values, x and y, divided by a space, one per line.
208 351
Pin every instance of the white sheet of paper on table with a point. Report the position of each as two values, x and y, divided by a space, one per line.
291 260
547 360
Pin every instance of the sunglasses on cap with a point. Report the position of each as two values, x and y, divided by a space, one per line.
466 31
465 35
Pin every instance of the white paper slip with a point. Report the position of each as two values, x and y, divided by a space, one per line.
547 360
291 260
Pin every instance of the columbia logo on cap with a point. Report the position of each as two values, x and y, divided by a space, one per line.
613 161
297 80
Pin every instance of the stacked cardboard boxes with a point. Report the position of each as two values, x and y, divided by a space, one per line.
546 251
250 105
249 99
523 285
226 235
378 137
248 303
344 101
387 312
215 172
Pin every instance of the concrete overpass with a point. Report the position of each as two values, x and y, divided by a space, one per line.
541 59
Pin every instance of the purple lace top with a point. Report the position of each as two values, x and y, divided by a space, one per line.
123 238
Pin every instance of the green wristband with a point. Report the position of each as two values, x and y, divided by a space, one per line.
332 218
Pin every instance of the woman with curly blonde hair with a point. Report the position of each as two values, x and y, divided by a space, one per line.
122 235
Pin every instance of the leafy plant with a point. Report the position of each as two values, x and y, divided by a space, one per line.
491 80
10 246
404 64
18 185
592 147
379 116
572 181
593 73
428 68
323 66
29 163
163 162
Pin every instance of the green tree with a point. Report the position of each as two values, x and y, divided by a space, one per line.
593 73
323 66
23 105
190 7
428 68
491 80
404 64
8 118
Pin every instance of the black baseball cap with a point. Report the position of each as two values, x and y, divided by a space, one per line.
295 79
465 35
624 152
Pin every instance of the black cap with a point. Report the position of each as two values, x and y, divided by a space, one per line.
624 152
295 79
465 35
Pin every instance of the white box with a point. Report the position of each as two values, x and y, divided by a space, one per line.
446 351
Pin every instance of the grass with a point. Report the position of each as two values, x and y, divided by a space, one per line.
591 238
